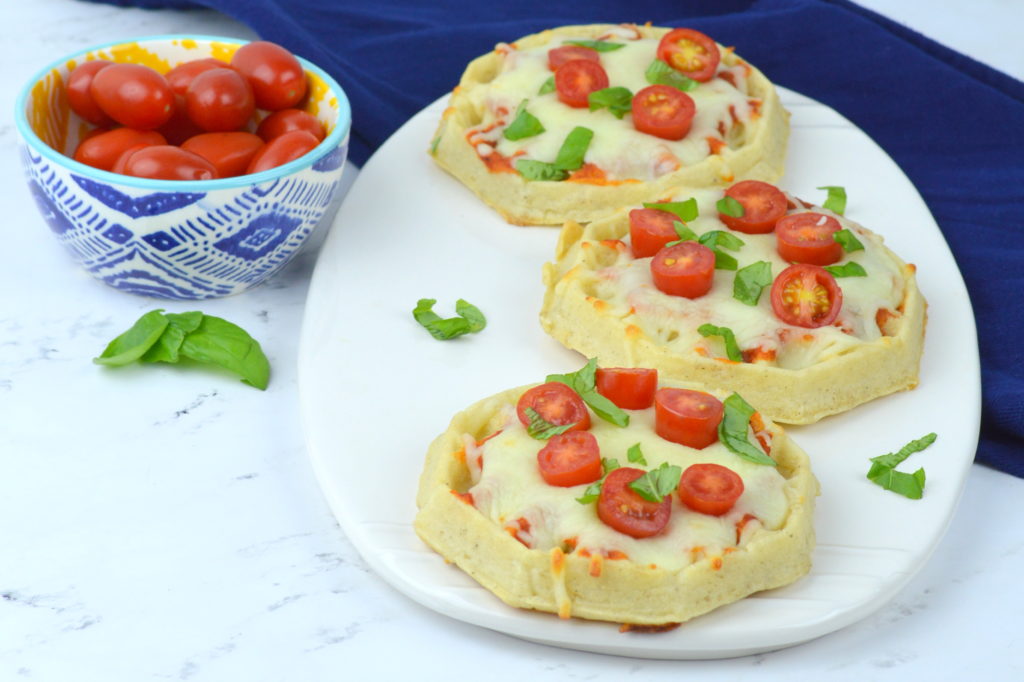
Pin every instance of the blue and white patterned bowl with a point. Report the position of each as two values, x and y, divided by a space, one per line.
169 239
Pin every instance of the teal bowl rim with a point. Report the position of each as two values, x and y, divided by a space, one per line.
332 141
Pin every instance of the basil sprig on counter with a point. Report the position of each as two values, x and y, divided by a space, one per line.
883 470
684 210
731 207
716 240
469 321
848 240
654 485
850 269
540 428
618 100
569 158
159 337
732 430
584 382
523 125
836 201
732 349
660 73
751 281
599 45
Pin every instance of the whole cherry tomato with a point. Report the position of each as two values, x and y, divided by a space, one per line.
135 96
287 120
219 100
230 153
103 150
282 150
180 127
182 75
167 162
276 76
79 95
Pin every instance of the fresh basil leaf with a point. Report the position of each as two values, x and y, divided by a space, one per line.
750 281
731 207
684 210
547 86
570 155
133 343
471 314
836 201
592 493
540 428
848 240
523 125
539 170
599 45
470 319
219 342
618 100
732 430
716 240
684 233
609 464
654 485
910 486
167 346
635 454
732 349
660 73
850 269
584 382
892 460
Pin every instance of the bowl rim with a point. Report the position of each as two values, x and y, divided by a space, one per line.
327 145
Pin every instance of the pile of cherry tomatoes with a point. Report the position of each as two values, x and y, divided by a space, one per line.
194 122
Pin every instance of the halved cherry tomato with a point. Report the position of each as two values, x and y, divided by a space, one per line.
808 238
230 153
103 150
686 269
687 417
570 458
287 120
135 96
690 52
166 162
282 150
763 205
180 127
219 100
710 488
182 75
806 296
649 230
621 508
576 79
629 388
566 53
276 76
663 111
555 403
80 97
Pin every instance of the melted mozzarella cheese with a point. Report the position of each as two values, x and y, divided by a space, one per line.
626 285
509 487
617 148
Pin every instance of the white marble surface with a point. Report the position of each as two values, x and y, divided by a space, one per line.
165 524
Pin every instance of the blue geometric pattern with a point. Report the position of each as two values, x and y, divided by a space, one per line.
183 245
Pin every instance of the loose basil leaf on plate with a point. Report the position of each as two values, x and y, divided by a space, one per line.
133 343
618 100
731 207
732 430
883 470
167 346
836 201
523 125
850 269
547 86
539 170
599 45
540 428
848 240
684 210
750 281
469 321
570 155
660 73
732 349
584 382
654 485
635 454
219 342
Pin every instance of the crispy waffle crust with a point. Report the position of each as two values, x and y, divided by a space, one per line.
758 153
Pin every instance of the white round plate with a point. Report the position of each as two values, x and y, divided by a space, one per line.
376 389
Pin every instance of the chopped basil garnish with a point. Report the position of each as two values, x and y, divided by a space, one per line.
732 349
618 100
660 73
848 240
523 125
836 201
850 269
547 86
883 470
732 430
469 321
609 464
730 207
716 240
634 454
540 428
539 170
592 493
599 45
750 281
570 155
584 382
654 485
684 210
156 337
684 233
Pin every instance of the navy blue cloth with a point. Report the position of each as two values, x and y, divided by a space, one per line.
955 126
